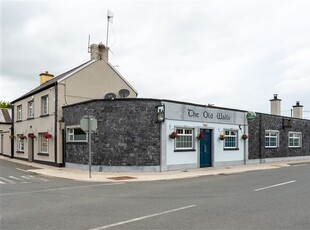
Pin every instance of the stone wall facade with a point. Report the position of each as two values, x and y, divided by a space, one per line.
127 133
283 125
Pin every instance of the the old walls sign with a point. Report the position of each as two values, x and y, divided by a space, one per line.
185 112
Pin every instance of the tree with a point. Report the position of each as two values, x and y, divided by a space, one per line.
5 104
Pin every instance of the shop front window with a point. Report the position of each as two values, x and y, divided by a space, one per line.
184 139
231 137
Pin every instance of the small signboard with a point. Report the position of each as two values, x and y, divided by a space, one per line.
88 123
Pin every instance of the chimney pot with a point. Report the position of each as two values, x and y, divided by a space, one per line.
297 110
275 105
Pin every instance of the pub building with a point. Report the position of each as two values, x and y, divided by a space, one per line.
135 134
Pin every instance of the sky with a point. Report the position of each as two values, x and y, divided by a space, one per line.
233 53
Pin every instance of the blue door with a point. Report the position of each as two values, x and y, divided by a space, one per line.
205 149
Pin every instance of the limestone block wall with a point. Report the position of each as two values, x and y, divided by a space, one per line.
127 133
284 125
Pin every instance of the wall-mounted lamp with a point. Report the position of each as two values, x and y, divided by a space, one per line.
160 113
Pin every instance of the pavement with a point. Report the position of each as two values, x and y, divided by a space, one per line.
79 175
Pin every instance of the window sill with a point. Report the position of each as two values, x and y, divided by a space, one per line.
43 154
30 118
185 150
44 115
19 120
22 152
235 149
77 142
272 147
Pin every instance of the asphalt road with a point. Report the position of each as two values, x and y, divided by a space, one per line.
268 199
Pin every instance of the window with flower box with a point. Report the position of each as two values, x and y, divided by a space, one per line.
271 139
184 139
294 139
43 144
20 144
231 139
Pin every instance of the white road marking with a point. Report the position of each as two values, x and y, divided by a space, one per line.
25 177
23 170
15 178
276 185
7 180
143 217
1 182
58 189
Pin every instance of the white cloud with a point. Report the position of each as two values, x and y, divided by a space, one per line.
231 53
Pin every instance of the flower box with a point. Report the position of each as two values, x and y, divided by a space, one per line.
47 135
173 135
244 136
31 135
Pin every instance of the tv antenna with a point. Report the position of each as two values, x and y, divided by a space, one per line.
110 19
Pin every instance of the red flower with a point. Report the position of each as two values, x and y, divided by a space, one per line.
31 135
173 135
244 136
47 135
201 136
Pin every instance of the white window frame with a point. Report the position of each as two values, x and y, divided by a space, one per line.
71 134
44 105
181 135
229 137
294 136
42 141
30 109
19 112
270 136
20 145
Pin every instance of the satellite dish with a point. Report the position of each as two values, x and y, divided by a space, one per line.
110 96
123 93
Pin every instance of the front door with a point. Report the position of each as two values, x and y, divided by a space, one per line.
205 149
30 149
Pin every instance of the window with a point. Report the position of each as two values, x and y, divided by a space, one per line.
76 135
20 144
43 143
184 139
44 105
271 139
30 109
294 139
230 141
19 113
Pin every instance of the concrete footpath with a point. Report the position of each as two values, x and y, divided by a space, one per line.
75 174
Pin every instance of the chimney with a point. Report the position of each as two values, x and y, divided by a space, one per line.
99 52
45 77
297 110
275 105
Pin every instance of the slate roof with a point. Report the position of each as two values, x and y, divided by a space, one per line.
5 116
50 83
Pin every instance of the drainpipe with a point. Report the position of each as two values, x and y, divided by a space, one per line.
260 138
244 142
12 134
56 122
